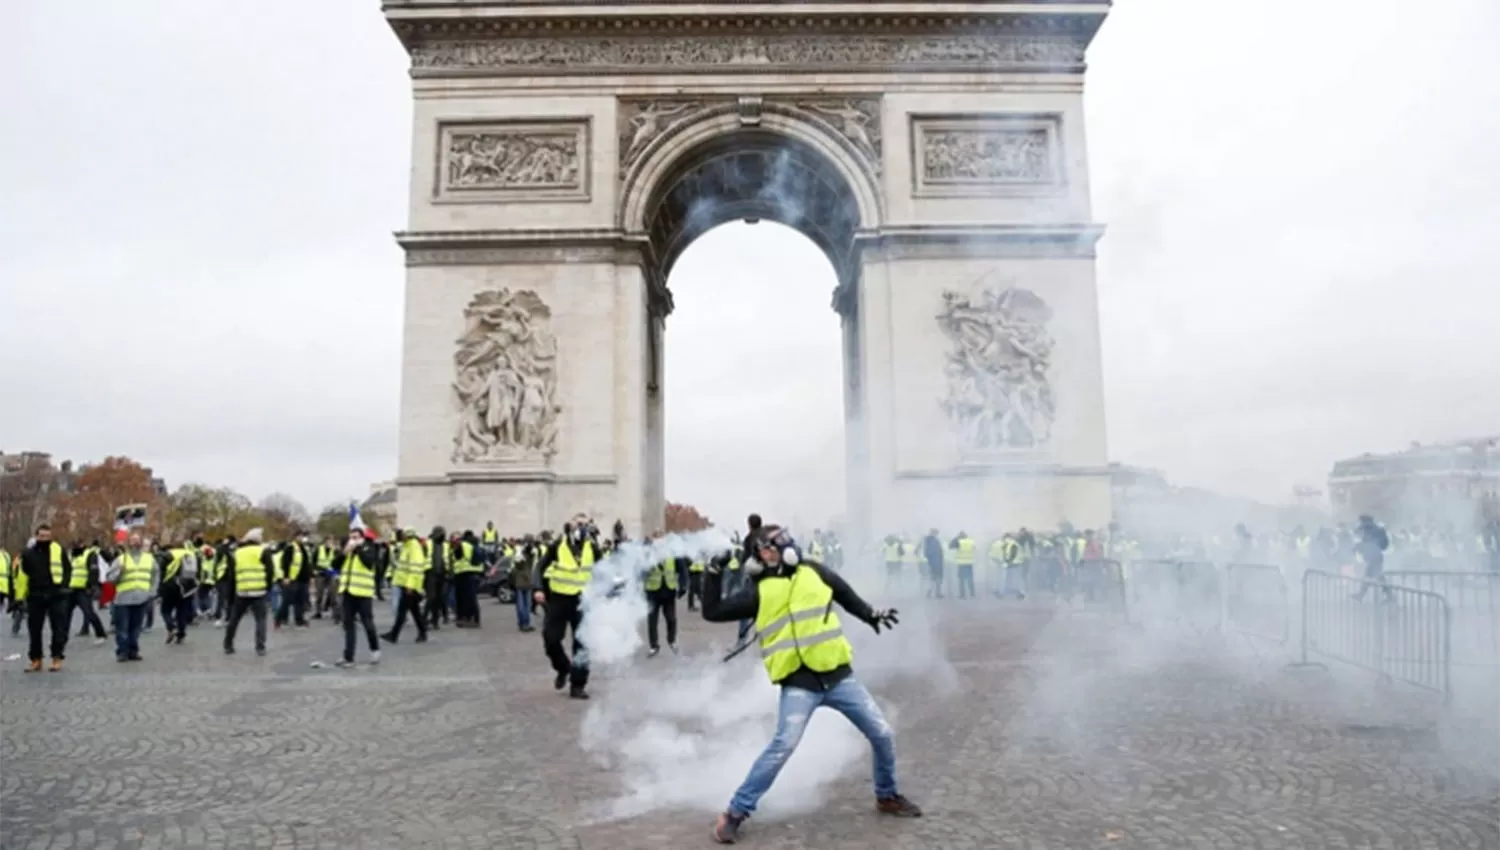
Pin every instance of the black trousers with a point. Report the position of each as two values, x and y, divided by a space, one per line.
663 602
224 600
564 613
176 609
934 582
411 603
257 606
694 590
54 609
293 599
85 603
362 607
437 600
466 597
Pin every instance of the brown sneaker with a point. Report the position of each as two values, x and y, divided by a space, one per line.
727 828
56 665
898 806
35 666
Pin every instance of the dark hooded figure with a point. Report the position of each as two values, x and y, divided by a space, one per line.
437 581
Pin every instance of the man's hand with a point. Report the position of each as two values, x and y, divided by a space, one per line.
885 618
539 597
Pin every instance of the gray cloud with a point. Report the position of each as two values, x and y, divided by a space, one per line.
1302 201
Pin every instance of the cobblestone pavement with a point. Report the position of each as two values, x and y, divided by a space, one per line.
1048 730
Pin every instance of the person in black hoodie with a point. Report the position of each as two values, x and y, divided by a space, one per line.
805 652
437 578
565 570
48 601
1370 543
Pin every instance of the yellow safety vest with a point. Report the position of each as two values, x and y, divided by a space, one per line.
174 565
411 566
4 573
663 573
79 578
893 553
815 551
569 575
56 564
249 572
135 572
296 567
696 567
464 563
734 562
490 535
910 555
965 552
357 578
325 557
996 553
797 626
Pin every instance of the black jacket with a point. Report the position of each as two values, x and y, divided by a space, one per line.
36 563
746 605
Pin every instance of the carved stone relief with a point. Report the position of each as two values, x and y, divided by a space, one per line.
769 53
513 161
987 154
999 391
506 380
856 119
642 122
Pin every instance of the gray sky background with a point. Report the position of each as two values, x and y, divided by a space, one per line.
196 266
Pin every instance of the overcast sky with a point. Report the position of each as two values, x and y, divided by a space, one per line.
196 268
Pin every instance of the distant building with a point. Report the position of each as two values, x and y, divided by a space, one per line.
1146 502
379 510
1430 486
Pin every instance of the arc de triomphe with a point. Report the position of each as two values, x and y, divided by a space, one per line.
564 154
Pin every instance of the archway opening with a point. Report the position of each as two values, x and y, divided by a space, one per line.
752 235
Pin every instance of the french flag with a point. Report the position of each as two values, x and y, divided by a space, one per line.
356 523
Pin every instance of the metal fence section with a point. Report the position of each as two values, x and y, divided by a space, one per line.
1178 594
1256 602
1098 584
1398 633
1474 606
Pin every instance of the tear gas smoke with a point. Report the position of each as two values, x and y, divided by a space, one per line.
684 735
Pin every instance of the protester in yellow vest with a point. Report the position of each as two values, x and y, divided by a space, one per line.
661 597
412 560
467 568
48 601
962 548
566 568
250 570
136 576
359 566
179 586
85 573
804 650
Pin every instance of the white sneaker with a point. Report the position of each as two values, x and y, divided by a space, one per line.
375 657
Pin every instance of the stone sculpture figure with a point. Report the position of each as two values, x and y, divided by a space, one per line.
506 380
999 391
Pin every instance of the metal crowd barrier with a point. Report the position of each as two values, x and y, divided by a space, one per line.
1256 602
1396 632
1474 604
1096 583
1184 594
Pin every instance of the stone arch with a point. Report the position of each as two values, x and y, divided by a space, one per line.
717 166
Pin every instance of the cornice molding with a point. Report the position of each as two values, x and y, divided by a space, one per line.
513 247
1013 240
786 41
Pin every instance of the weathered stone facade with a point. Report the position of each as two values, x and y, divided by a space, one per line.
564 151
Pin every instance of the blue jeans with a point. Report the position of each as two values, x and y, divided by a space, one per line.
848 698
128 622
395 600
523 609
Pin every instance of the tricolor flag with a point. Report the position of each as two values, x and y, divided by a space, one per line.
356 523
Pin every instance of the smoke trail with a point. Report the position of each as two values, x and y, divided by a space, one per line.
684 734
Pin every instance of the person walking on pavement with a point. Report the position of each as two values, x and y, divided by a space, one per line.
437 577
81 582
137 575
661 595
932 553
251 571
296 573
962 548
359 566
179 587
412 558
805 652
45 570
566 570
522 563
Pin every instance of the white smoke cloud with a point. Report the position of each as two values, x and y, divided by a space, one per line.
684 735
